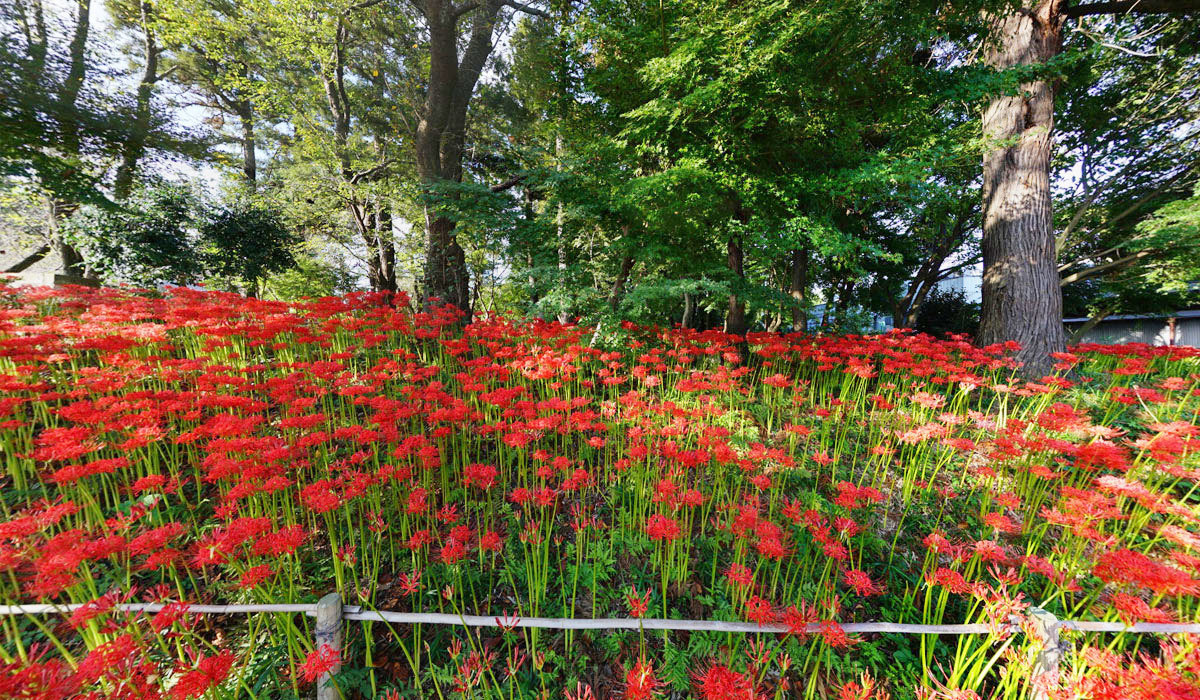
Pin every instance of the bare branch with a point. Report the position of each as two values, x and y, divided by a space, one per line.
1093 271
371 174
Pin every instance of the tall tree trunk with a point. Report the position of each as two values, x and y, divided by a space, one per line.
842 300
735 316
914 309
68 98
445 263
386 244
441 133
1022 300
72 261
798 288
564 314
76 75
249 156
364 218
135 143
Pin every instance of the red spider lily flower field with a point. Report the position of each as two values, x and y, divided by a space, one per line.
207 448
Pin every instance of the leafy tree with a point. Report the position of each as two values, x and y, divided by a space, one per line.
797 171
247 243
310 277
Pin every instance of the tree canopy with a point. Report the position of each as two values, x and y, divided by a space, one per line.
773 164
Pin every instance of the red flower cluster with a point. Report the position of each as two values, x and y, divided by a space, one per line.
233 449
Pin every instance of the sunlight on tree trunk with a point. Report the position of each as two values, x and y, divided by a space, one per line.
1022 300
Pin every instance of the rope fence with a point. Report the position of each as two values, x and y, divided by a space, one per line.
330 615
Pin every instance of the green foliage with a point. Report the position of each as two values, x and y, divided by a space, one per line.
309 277
147 240
1174 229
247 242
947 311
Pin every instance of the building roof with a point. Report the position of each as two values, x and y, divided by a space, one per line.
1138 317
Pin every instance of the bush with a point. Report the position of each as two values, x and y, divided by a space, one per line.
147 240
947 312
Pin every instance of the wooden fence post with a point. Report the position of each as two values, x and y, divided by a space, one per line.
1045 668
328 633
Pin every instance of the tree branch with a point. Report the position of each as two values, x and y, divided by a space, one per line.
361 5
1120 7
527 9
1090 324
508 184
1097 269
464 9
371 174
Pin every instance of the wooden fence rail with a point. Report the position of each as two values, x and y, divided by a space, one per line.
331 615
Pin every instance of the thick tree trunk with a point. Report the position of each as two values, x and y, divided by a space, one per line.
445 264
914 309
441 133
1022 300
735 317
689 310
798 289
564 314
68 97
72 261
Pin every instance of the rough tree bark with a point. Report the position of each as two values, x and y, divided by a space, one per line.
798 289
689 310
441 133
1022 301
245 112
735 317
618 288
385 246
441 130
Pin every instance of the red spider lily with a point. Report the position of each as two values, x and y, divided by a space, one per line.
660 527
719 682
638 603
739 575
319 661
867 689
1127 566
40 678
210 670
640 682
861 583
834 635
255 441
170 615
760 611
